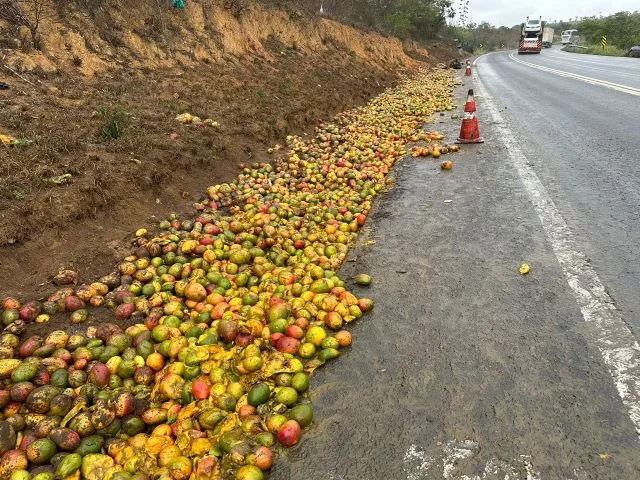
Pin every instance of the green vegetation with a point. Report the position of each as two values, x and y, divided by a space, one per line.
285 87
608 51
621 29
406 19
117 120
485 37
19 194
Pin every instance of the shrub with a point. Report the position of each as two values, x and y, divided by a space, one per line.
285 87
117 121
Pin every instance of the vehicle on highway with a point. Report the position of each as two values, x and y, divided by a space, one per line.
531 36
547 37
568 36
634 52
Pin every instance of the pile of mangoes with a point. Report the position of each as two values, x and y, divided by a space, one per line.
198 357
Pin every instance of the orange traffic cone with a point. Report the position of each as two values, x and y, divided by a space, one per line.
467 71
469 131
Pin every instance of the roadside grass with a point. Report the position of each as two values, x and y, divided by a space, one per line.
117 122
609 51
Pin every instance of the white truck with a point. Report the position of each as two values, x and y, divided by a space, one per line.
547 37
531 36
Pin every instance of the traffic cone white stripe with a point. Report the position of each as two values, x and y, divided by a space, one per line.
469 131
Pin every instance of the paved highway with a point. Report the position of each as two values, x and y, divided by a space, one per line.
583 136
466 370
625 71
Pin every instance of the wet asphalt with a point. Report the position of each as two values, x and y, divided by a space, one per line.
465 369
584 142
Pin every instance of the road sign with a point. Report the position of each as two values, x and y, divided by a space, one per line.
603 41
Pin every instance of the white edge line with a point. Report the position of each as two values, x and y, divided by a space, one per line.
483 55
617 345
574 75
593 81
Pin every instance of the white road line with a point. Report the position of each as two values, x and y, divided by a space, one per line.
593 81
416 463
578 57
592 69
453 453
455 457
619 348
601 60
483 55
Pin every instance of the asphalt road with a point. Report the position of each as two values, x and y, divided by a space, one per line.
466 369
584 140
624 71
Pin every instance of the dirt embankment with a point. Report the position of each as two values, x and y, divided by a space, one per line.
126 69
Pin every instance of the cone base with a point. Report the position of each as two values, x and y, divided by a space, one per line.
477 140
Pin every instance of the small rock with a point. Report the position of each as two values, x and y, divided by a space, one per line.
66 277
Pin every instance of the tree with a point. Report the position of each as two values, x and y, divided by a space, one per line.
622 29
417 19
485 34
27 13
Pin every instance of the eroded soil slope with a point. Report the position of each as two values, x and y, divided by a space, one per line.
72 196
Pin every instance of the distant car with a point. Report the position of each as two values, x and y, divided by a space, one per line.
634 52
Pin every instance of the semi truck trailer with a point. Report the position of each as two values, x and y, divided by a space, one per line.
531 36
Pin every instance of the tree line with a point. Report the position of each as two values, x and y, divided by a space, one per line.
485 37
406 19
622 29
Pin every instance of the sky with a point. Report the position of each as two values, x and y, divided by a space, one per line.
512 12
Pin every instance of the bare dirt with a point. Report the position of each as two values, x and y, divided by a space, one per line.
276 82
